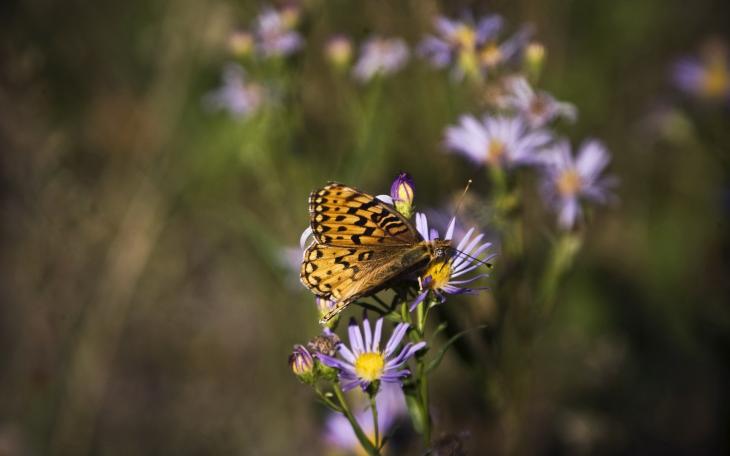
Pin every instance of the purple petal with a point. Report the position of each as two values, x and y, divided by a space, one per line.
347 354
395 338
351 384
464 239
422 225
376 336
406 353
368 334
568 213
305 236
331 362
488 28
469 280
395 377
418 300
355 338
450 230
592 159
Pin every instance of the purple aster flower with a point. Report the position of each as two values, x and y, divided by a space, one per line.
391 406
567 180
496 141
456 42
275 34
238 97
537 108
493 54
365 362
446 276
380 56
707 76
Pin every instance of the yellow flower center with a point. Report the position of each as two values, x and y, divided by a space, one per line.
717 79
569 183
495 151
465 37
491 55
440 272
369 366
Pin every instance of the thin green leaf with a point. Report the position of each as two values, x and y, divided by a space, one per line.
439 329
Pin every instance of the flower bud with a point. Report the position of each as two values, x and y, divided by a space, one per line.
338 51
290 16
534 59
302 363
402 191
326 343
240 43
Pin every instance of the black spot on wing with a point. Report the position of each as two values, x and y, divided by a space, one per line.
363 256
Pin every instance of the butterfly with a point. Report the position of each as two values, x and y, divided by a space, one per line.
360 245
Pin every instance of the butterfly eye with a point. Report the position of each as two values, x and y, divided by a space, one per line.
439 252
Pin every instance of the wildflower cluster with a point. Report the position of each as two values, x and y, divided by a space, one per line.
515 130
472 48
272 36
511 132
706 76
395 371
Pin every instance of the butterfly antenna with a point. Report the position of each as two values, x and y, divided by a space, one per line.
461 198
474 259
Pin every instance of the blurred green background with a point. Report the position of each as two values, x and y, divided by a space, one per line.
146 305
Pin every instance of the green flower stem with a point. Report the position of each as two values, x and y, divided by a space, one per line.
374 408
563 252
361 437
499 180
363 152
327 400
505 202
421 372
420 318
423 396
404 314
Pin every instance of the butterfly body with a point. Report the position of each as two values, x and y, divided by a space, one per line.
361 244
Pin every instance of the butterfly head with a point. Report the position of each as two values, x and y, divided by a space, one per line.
441 248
